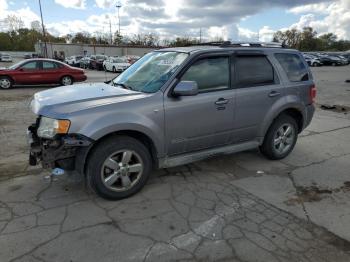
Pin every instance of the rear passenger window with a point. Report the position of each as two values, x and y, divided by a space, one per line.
253 71
293 66
209 73
49 65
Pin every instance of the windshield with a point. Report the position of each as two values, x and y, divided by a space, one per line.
151 72
14 66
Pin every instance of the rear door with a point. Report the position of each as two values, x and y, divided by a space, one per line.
29 73
50 73
257 88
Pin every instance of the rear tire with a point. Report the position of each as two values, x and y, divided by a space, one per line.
5 82
66 80
281 137
109 167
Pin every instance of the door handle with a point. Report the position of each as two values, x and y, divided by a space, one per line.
274 93
221 101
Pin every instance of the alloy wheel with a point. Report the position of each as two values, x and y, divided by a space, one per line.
284 138
121 170
5 83
66 81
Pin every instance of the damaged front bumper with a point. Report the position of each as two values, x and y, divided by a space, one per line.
59 152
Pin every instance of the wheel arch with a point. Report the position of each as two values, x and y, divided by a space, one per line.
84 153
70 75
292 110
9 77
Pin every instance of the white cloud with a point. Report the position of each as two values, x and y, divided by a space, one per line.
336 19
321 8
3 6
105 4
25 14
76 4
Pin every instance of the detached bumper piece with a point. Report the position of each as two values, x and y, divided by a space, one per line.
58 152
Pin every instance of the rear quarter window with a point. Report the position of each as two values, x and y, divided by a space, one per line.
293 66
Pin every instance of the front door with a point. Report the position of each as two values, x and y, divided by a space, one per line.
204 120
28 73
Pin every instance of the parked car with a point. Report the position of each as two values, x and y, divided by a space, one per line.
132 58
172 107
27 56
312 60
115 64
346 56
96 61
343 59
85 62
40 71
330 60
5 58
73 60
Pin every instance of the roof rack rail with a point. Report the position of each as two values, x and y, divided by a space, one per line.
245 44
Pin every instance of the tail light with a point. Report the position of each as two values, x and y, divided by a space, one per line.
312 94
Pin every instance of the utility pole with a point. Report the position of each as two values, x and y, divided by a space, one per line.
118 6
44 34
200 35
110 31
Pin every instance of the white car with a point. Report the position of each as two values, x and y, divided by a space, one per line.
5 58
115 64
73 60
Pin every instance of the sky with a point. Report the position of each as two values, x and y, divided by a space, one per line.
237 20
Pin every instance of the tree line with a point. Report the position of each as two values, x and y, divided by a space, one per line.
308 40
19 38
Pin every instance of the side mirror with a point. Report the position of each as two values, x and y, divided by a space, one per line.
21 69
186 88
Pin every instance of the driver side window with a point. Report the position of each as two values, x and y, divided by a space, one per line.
209 73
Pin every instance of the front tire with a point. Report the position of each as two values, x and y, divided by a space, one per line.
5 82
281 137
118 167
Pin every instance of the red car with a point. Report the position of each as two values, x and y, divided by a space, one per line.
40 71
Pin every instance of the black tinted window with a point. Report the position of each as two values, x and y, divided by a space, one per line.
293 66
209 73
253 71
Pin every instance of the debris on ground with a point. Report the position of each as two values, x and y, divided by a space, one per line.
314 193
335 108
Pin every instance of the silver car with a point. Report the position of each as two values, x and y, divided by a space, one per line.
174 106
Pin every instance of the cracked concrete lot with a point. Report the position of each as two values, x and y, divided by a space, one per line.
240 207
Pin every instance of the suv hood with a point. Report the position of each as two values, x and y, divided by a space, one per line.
64 100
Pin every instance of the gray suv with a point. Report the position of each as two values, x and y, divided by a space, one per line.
174 106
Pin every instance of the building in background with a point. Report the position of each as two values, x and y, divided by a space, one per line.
62 50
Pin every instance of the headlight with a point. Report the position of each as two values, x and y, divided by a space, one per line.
49 127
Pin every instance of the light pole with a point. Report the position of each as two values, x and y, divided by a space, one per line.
44 34
119 5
